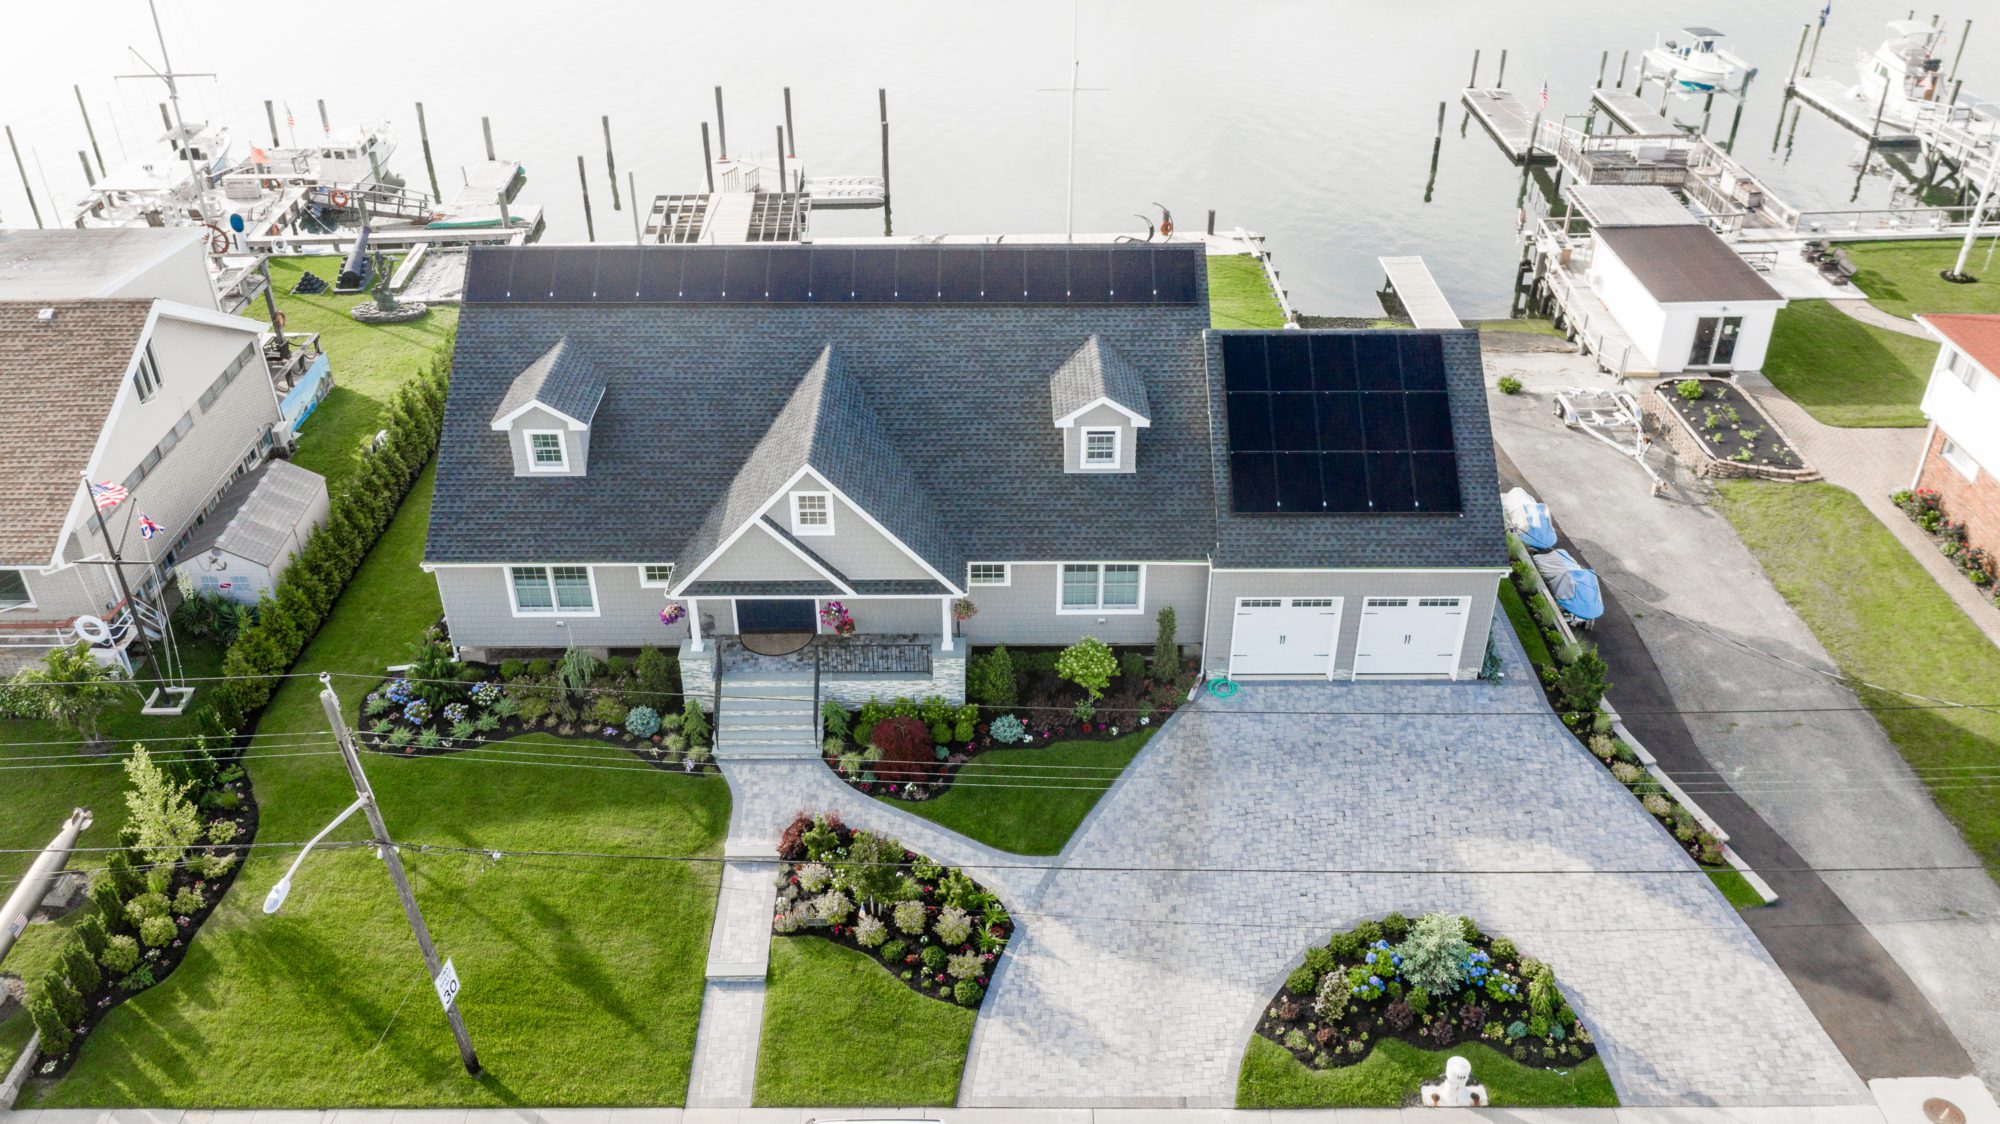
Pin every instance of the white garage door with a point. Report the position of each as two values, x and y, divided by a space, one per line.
1284 636
1410 635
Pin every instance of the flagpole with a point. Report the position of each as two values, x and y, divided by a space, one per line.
117 564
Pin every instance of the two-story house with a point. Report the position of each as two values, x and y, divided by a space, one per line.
168 400
1961 458
703 447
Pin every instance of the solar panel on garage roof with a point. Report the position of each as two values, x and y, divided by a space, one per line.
981 274
1338 423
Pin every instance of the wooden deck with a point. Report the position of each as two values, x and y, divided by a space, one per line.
1419 292
1832 98
1632 113
1510 123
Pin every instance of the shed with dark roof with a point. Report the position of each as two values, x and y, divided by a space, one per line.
1688 301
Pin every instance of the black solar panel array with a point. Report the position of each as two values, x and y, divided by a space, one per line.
984 274
1324 423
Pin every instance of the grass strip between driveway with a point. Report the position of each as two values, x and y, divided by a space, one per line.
840 1030
1391 1073
1885 621
1029 801
1847 373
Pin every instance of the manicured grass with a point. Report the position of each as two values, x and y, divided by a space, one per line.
369 363
1885 621
1061 784
1901 278
1734 887
1523 620
1238 294
1847 373
582 977
1392 1072
840 1030
1528 325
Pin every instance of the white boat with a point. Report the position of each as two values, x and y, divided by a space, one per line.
1694 62
1909 67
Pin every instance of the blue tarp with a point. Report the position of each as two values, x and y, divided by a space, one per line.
1528 520
301 400
1574 587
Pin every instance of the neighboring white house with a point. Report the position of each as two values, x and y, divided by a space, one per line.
1687 300
1962 456
167 263
243 545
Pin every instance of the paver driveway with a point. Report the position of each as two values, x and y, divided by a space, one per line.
1262 823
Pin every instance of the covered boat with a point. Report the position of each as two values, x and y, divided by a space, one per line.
1529 520
1574 587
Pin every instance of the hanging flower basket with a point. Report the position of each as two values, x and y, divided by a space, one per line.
673 614
835 617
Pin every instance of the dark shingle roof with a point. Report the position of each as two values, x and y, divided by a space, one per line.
1096 371
1686 263
259 515
58 379
1473 536
561 379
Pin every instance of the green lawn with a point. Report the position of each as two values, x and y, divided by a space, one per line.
1238 294
1735 888
1033 820
1524 624
582 978
1901 278
369 363
1884 620
1847 373
1392 1072
840 1030
1528 325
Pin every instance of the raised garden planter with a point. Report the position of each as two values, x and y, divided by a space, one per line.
926 924
1432 983
1722 432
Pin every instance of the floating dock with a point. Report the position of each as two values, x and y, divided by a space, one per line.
1511 123
1838 101
1418 291
1632 113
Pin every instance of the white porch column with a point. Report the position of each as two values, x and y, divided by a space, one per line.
944 605
694 625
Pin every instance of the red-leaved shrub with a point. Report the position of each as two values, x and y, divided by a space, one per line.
908 754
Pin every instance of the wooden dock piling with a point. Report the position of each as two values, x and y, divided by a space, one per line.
26 189
583 181
92 133
1624 60
632 182
882 104
325 122
721 130
1474 80
784 180
88 179
486 127
1962 37
791 138
611 165
1812 56
707 163
424 137
1211 212
1805 32
1500 80
271 118
166 119
1603 60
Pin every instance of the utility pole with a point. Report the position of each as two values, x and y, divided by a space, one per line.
35 884
366 796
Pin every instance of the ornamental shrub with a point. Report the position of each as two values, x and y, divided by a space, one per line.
655 672
214 866
968 993
833 907
869 931
1089 664
57 1037
89 929
1008 730
1165 666
964 965
933 958
874 870
1508 384
1320 960
155 932
510 669
952 926
694 723
814 877
1503 950
1399 1015
907 747
1132 667
120 955
642 721
989 679
1581 682
1395 927
1330 1000
1435 952
892 952
79 967
110 906
187 902
1689 389
1542 994
1302 981
835 720
606 710
145 906
909 917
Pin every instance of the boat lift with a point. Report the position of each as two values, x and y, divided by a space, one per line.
1613 417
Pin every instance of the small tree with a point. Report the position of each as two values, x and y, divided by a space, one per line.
694 724
875 867
1581 682
990 680
1166 662
1089 664
74 689
907 750
163 821
576 670
1435 952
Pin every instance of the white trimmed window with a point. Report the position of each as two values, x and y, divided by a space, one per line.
1107 587
546 452
656 575
1958 364
812 513
146 380
552 589
14 590
988 573
1100 448
1954 454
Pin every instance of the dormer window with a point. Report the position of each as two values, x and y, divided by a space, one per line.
546 452
812 513
1100 448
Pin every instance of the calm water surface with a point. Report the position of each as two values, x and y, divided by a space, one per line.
1311 122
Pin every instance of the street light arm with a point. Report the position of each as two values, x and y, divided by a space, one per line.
276 897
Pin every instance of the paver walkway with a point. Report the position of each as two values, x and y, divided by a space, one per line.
1868 314
1873 463
1248 829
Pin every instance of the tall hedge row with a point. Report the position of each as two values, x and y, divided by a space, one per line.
356 518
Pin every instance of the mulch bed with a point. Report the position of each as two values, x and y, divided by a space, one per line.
1731 427
933 886
1493 1006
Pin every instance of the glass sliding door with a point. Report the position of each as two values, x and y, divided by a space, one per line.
1714 341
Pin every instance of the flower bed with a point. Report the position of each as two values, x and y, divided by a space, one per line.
441 706
929 925
1431 983
1575 684
1925 507
151 897
1722 432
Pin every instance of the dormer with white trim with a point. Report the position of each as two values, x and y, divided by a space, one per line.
1097 400
547 413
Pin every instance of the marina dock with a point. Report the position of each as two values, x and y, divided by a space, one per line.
1410 279
1511 123
1632 113
1836 100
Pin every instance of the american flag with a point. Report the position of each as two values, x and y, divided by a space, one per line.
1545 93
107 494
1825 12
147 528
291 122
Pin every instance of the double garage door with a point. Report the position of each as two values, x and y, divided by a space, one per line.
1299 636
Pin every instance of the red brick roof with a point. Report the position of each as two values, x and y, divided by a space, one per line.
1977 336
57 382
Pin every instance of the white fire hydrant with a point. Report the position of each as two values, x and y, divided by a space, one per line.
1457 1089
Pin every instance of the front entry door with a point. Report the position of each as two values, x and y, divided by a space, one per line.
1714 341
787 615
